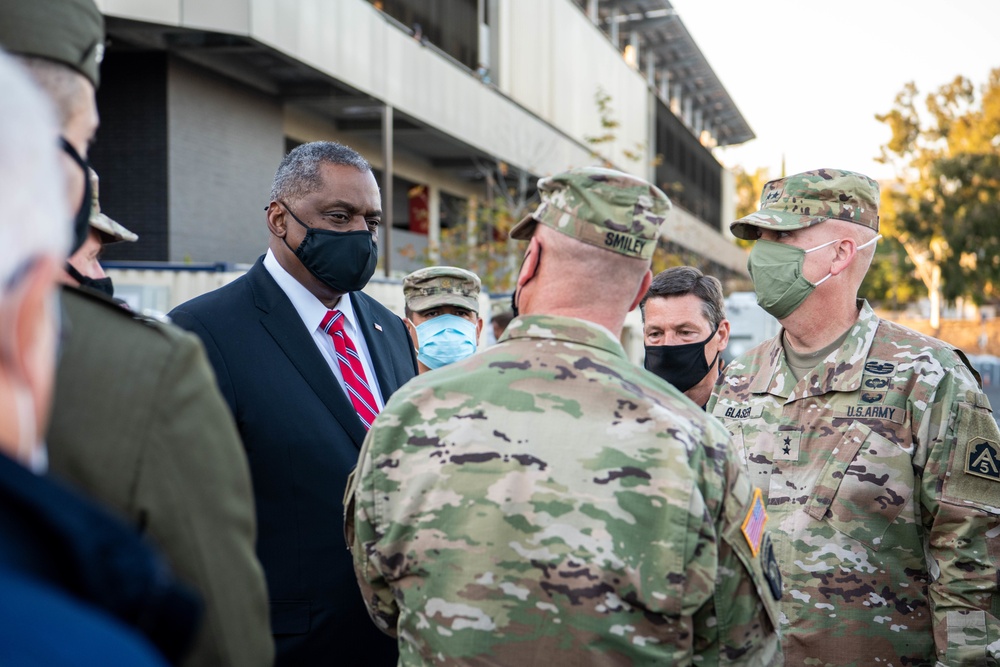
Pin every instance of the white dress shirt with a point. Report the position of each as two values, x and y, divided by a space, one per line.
312 311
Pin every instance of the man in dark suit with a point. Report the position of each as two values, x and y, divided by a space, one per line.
305 361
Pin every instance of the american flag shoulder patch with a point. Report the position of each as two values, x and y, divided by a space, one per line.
753 524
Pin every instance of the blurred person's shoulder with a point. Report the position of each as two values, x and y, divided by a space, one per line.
111 321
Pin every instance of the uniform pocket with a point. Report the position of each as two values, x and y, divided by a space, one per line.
864 486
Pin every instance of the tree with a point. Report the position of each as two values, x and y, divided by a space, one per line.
482 245
945 210
749 186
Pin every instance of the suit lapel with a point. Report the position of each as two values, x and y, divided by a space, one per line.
283 323
378 345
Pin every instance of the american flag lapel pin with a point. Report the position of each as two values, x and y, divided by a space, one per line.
378 326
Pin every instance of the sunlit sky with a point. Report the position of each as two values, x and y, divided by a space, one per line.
810 77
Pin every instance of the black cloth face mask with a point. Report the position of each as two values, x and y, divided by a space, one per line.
101 285
683 366
81 223
343 261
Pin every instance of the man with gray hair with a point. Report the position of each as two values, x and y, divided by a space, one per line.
873 446
305 361
137 421
546 503
685 329
66 567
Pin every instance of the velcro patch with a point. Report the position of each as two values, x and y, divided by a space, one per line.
983 459
876 367
786 446
974 470
875 411
769 564
739 411
753 524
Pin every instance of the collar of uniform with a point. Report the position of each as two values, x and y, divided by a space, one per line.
568 329
841 372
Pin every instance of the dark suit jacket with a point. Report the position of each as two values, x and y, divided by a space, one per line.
302 437
139 425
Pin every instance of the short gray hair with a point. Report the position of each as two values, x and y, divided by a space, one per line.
684 280
298 174
35 221
67 89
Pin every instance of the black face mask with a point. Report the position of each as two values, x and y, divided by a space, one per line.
81 223
683 366
101 285
343 261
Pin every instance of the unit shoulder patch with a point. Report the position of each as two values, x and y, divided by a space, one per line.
983 459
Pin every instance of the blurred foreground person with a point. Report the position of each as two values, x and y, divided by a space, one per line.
685 330
873 445
137 420
83 269
442 314
71 576
546 502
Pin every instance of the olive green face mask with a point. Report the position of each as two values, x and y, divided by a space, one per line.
776 271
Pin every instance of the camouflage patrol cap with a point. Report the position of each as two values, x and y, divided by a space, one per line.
809 198
441 286
603 207
111 231
70 32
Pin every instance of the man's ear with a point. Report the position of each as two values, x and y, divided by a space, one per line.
412 331
479 329
27 350
276 221
846 249
643 288
529 267
723 334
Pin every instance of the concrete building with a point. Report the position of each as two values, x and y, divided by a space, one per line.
459 101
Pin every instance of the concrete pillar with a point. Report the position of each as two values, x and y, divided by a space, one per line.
471 230
434 223
385 229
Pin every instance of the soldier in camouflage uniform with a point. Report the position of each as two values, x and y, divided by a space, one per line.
873 444
441 304
547 502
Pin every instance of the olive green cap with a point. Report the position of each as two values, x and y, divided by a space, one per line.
602 207
441 286
111 231
70 32
809 198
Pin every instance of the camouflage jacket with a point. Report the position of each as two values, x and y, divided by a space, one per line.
546 502
881 473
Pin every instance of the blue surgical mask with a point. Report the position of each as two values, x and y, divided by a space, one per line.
444 340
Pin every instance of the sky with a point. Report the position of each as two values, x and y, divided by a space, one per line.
810 77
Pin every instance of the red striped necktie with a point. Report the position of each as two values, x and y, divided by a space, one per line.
358 389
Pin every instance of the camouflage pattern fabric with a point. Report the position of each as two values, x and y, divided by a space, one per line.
809 198
602 207
547 502
111 230
881 470
434 286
